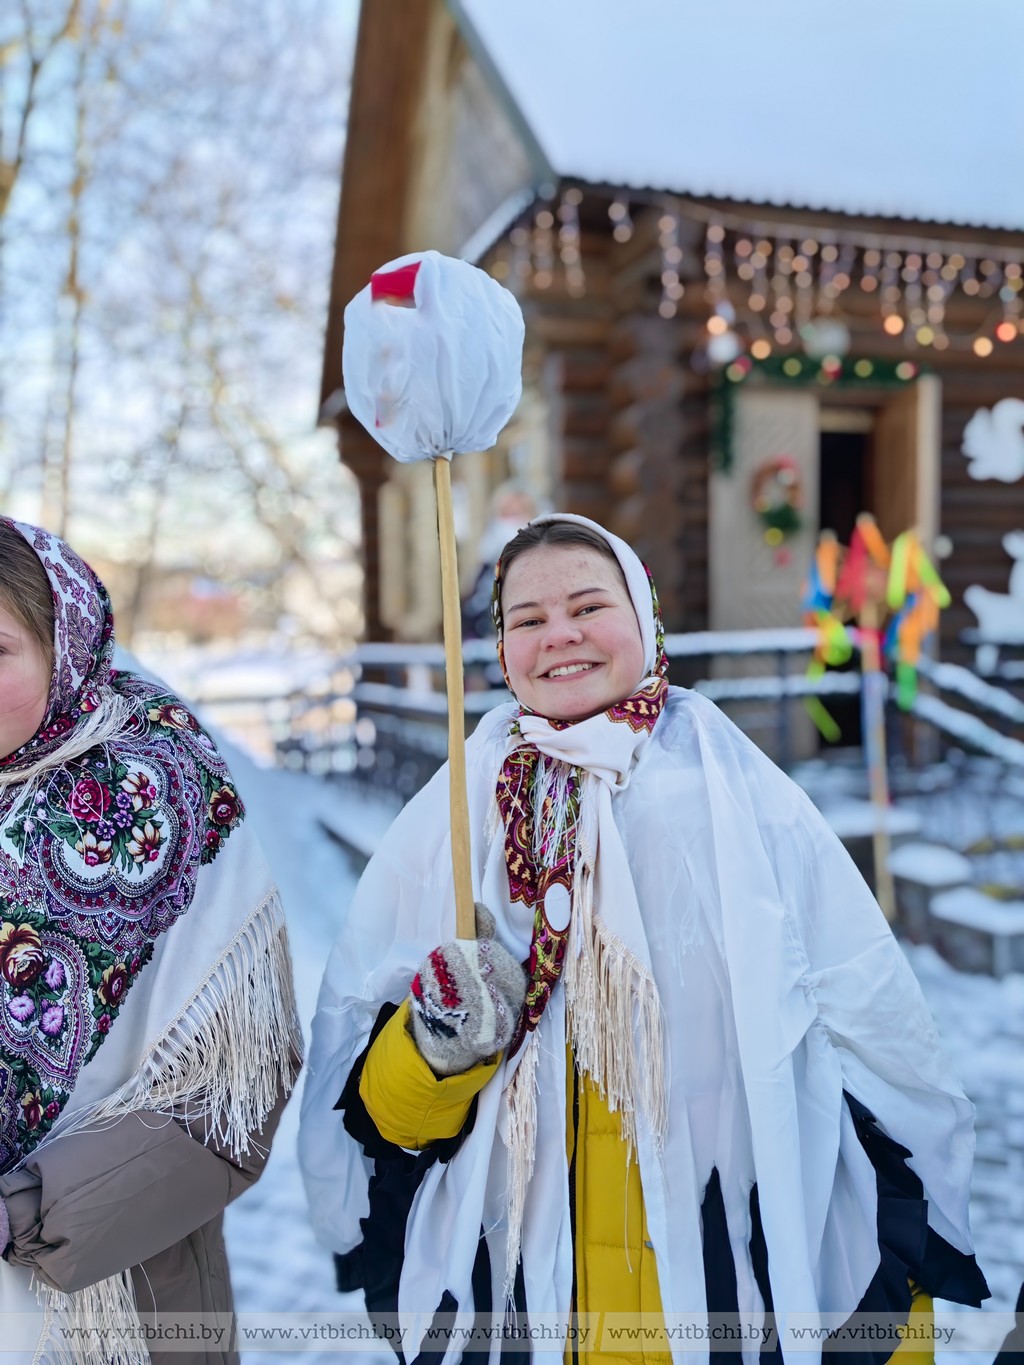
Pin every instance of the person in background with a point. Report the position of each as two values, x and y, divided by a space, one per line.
148 1037
512 505
684 1070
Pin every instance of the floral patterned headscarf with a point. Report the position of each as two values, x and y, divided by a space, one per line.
99 853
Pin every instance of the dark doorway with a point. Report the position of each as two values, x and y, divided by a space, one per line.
843 494
844 481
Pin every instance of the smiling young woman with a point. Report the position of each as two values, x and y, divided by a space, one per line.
702 1092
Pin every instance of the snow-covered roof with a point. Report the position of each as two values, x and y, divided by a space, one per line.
901 108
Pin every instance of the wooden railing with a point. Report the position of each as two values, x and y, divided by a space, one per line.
379 718
394 738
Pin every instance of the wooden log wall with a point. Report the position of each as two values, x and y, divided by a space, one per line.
631 419
573 336
361 453
976 514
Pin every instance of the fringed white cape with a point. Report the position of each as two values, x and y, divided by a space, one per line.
780 986
206 1032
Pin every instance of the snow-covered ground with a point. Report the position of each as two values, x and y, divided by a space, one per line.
277 1265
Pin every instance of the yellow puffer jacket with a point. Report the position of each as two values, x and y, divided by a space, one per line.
615 1271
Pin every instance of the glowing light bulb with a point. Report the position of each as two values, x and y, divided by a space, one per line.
1006 331
982 346
792 367
863 369
905 370
893 324
761 349
717 326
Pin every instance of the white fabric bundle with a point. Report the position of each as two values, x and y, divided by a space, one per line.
437 370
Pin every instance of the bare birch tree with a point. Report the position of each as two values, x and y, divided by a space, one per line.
170 230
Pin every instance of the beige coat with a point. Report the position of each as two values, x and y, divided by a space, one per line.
146 1193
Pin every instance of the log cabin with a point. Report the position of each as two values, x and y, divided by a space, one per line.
763 265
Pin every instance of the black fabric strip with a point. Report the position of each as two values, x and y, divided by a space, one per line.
719 1267
375 1265
1012 1350
908 1248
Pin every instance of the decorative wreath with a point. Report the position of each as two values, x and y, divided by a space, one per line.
776 495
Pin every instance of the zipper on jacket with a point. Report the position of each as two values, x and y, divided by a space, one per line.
572 1197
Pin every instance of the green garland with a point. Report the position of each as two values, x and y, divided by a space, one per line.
847 373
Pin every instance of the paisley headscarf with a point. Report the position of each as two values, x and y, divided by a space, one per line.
100 850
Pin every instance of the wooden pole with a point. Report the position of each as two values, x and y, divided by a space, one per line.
465 914
874 684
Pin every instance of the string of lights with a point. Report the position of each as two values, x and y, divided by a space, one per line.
774 286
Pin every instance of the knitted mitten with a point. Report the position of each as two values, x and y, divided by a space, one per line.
465 1000
5 1226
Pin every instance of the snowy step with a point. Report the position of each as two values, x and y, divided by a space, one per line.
860 819
921 871
932 865
855 823
977 933
358 822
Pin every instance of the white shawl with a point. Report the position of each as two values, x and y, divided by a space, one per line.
780 986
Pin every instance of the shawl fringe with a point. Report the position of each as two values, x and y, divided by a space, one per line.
222 1061
521 1140
224 1058
95 1326
614 1019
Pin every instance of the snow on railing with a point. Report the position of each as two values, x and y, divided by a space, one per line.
986 696
969 730
784 640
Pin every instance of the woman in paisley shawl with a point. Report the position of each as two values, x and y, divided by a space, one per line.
147 1027
710 1093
